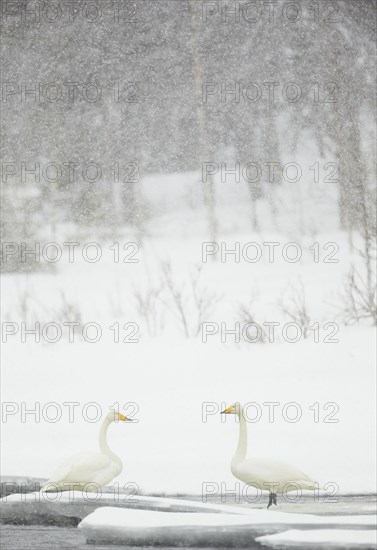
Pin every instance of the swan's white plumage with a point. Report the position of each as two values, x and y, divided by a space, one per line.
268 474
85 468
88 470
261 471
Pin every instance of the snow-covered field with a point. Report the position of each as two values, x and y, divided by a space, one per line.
167 381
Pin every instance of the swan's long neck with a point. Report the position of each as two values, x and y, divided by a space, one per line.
105 449
241 450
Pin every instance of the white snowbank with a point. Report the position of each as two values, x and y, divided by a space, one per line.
332 538
141 527
189 529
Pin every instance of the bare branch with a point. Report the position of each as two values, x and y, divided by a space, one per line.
295 308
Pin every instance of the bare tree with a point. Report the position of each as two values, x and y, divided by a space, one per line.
295 308
189 303
204 299
204 141
68 311
246 314
358 302
149 308
359 291
179 302
24 305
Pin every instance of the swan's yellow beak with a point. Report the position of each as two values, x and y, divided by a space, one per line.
124 418
227 411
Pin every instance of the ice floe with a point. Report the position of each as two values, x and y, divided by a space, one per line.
145 527
330 538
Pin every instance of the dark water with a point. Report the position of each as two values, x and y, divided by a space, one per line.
14 537
36 537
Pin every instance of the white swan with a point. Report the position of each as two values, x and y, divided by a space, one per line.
267 474
88 470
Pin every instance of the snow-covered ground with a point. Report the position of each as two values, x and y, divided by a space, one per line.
161 528
332 538
166 381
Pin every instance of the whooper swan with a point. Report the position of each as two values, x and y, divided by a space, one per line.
88 470
267 474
